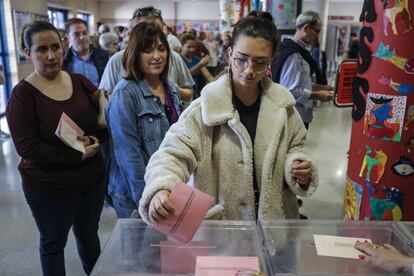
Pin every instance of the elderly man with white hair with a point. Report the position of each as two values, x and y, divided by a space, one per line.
178 72
109 42
294 66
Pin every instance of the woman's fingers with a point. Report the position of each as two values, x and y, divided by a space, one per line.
301 165
161 210
84 140
93 147
301 173
364 247
154 217
165 202
88 140
94 139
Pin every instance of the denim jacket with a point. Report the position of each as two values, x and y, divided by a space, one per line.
137 123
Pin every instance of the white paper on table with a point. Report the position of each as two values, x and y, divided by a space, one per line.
69 132
336 246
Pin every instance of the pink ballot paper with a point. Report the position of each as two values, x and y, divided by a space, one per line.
190 205
226 266
68 131
177 257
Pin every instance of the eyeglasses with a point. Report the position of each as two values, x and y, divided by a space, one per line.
242 64
147 12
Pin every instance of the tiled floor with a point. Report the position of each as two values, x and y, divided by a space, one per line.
328 141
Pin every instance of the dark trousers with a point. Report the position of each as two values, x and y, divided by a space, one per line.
55 215
306 125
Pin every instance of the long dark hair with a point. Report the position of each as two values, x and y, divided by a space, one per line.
143 37
33 28
257 24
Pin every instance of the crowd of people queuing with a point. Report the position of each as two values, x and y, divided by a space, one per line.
195 106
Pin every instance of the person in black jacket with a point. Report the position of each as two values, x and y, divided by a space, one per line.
82 57
294 67
320 57
353 46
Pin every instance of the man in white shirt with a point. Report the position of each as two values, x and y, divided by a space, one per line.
178 72
213 48
173 41
294 67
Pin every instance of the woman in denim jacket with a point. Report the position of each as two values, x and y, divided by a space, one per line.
140 112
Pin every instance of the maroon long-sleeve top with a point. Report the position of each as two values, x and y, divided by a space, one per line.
47 163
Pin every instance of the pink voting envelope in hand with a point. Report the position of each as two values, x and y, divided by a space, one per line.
68 131
190 205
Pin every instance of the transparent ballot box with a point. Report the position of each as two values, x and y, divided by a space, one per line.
290 246
407 227
135 248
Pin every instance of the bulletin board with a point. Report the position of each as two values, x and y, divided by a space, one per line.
284 13
199 26
21 18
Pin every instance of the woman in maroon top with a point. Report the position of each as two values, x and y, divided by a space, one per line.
62 186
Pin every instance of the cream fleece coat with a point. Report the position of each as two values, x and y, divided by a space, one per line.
210 142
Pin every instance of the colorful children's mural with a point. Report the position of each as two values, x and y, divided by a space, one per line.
380 176
384 117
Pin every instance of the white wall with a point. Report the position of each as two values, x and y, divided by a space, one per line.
346 9
352 8
198 11
121 11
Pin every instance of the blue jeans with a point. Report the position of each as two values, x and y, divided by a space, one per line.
124 207
55 215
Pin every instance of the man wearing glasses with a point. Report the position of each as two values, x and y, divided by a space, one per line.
177 71
294 67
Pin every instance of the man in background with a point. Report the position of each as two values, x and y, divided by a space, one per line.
82 57
213 48
177 72
353 46
173 41
294 67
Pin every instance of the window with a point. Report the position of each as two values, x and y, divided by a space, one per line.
57 17
5 88
87 18
84 16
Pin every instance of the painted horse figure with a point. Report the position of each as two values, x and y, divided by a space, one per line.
390 15
378 161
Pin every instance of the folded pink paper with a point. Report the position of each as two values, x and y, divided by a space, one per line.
68 131
226 265
191 206
72 124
